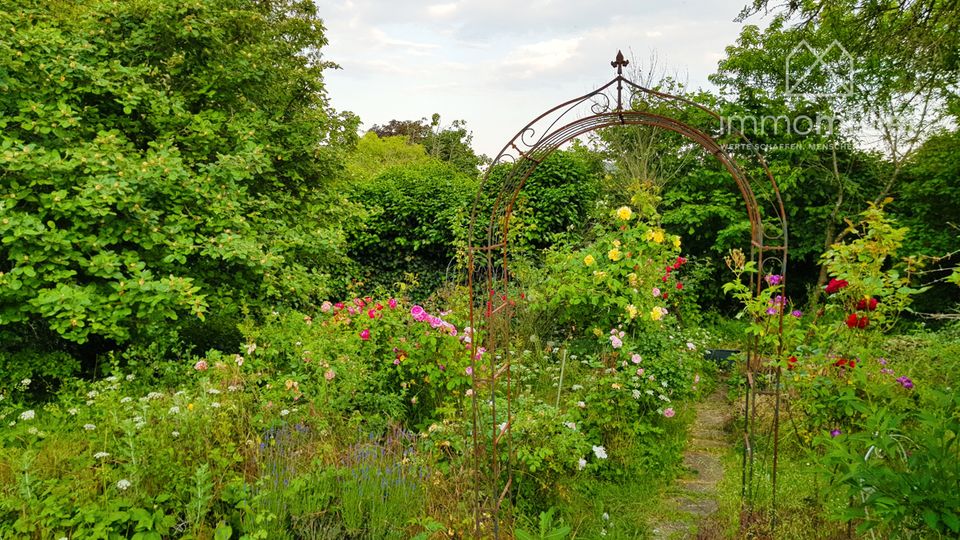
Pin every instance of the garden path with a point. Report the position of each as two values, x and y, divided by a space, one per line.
693 499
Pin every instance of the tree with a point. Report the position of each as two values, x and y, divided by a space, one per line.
446 143
161 158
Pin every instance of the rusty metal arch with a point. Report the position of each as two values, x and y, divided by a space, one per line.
619 102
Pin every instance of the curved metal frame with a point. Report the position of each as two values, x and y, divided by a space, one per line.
491 305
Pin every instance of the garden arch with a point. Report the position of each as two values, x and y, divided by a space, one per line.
619 102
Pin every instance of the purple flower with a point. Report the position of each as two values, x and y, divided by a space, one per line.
771 311
835 432
905 382
469 370
797 313
882 361
773 279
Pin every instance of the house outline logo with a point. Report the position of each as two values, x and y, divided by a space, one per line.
798 75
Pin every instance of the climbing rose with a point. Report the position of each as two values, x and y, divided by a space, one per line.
624 213
656 292
852 320
835 285
589 260
365 334
679 286
868 304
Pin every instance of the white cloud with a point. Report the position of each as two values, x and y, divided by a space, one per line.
499 63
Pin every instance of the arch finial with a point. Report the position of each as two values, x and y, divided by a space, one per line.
620 62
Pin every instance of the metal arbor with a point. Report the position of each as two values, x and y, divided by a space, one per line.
493 293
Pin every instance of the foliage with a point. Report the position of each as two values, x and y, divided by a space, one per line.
414 211
450 144
142 184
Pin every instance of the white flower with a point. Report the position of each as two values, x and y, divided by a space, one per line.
691 346
130 377
123 484
73 411
89 427
154 395
213 391
603 532
663 384
571 425
33 430
127 399
28 415
600 452
12 423
92 394
140 425
576 387
215 404
606 516
112 378
174 410
251 347
581 404
232 388
649 392
179 393
238 359
25 383
636 394
175 434
284 412
663 398
581 464
101 455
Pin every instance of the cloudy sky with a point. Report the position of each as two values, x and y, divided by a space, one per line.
499 63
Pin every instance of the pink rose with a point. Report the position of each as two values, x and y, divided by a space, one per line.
669 412
392 303
365 334
330 374
201 365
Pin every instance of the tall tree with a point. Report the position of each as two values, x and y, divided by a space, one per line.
161 158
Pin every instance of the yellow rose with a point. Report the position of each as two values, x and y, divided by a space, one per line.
657 313
658 236
632 311
597 332
615 254
624 213
632 279
589 260
676 242
616 243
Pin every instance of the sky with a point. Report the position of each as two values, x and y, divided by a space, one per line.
497 64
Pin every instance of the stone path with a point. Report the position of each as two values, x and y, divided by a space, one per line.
693 499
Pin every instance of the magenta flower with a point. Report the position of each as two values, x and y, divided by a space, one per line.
797 313
372 313
469 370
392 303
358 302
615 342
365 334
771 311
905 382
480 352
339 305
773 279
835 432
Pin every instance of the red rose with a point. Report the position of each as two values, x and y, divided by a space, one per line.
791 361
868 304
852 320
863 322
853 364
835 285
679 285
841 362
